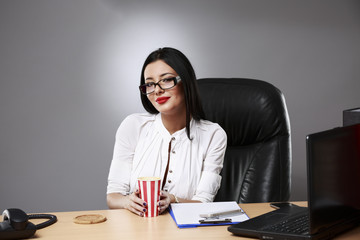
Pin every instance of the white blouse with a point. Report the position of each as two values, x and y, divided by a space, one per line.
142 150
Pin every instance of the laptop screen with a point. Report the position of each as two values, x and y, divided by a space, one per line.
333 175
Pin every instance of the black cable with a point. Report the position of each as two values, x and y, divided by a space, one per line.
52 219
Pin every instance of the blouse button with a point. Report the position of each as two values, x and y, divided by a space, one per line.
169 181
170 171
173 151
173 138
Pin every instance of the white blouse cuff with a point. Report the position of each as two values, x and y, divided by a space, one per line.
208 186
116 189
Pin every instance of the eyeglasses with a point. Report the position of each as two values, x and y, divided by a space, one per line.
164 84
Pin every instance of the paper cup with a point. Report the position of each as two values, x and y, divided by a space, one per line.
150 192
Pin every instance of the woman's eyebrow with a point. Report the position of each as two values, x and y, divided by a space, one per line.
163 74
166 74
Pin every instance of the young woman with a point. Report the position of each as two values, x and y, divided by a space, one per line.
171 141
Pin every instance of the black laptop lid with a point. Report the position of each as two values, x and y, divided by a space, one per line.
333 176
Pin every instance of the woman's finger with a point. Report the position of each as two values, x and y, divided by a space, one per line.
135 198
137 209
136 205
162 209
164 203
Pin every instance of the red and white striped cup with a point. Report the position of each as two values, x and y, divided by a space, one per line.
150 192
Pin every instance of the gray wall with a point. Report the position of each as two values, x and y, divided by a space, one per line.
69 72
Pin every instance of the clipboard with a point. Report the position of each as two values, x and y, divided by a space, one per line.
187 215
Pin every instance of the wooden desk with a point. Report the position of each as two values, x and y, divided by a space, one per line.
121 224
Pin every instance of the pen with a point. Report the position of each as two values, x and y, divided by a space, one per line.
226 220
217 214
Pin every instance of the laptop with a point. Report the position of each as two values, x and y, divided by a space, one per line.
333 176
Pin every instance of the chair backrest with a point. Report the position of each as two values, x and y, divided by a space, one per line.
253 113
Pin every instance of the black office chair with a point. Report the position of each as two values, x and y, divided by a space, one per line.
253 113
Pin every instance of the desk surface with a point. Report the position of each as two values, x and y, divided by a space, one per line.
121 224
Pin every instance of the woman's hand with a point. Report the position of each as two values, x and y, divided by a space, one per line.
135 204
165 200
132 202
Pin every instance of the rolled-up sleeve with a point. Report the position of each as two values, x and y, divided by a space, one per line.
210 179
121 164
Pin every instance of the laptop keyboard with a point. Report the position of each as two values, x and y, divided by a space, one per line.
296 225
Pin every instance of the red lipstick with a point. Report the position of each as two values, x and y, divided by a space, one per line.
161 100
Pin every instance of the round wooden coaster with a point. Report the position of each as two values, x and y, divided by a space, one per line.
89 219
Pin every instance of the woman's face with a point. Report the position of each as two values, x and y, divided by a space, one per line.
169 101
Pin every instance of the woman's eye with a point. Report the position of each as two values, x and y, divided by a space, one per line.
167 80
150 84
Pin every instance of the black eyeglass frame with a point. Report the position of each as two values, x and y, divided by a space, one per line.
175 79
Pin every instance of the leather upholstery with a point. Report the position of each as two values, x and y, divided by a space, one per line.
253 113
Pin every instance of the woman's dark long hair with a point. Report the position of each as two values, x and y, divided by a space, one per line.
182 66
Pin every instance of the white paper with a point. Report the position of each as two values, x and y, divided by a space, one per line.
189 213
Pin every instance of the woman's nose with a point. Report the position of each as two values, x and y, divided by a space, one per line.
158 89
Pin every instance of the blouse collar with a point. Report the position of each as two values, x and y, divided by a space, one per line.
180 134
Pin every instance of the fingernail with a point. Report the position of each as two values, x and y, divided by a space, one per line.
141 214
144 210
144 204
